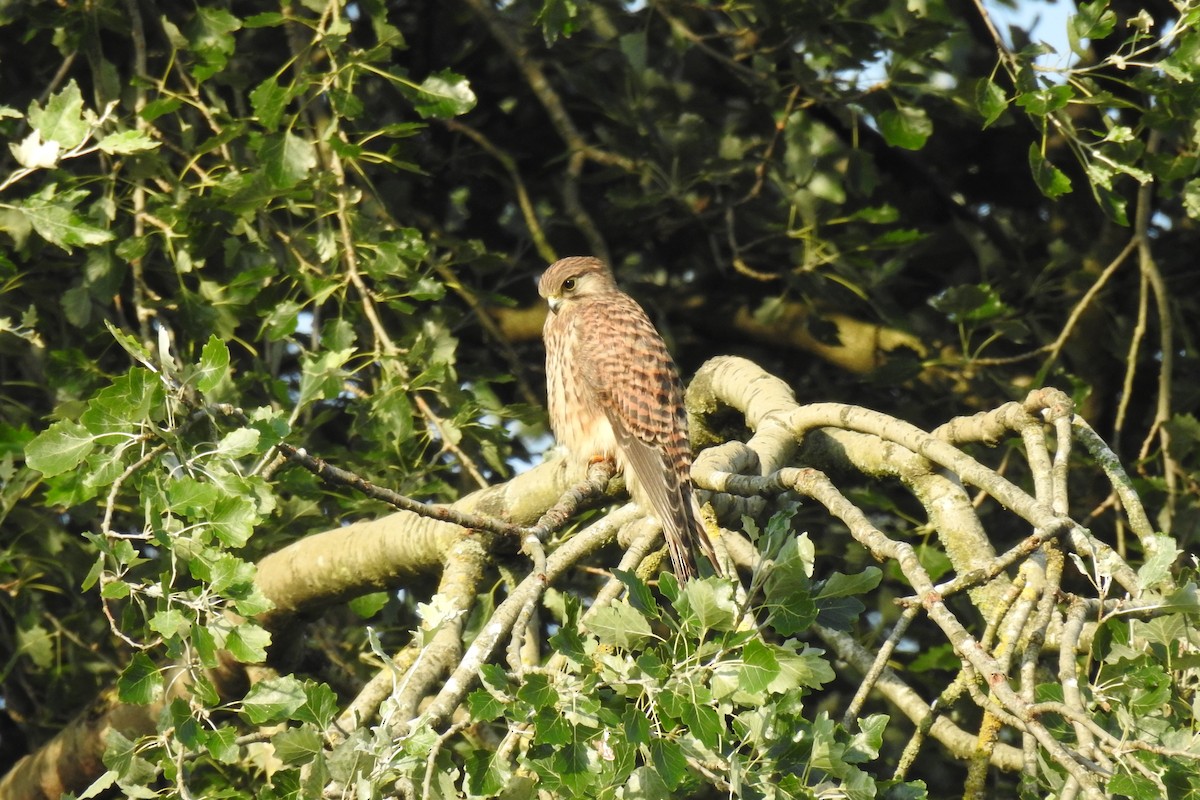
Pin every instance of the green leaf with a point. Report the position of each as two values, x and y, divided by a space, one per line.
169 623
77 305
552 728
62 119
60 448
537 691
1049 178
14 222
94 573
759 667
273 700
939 657
839 613
205 644
54 218
1042 101
906 127
711 603
188 730
322 377
222 745
129 343
157 108
189 497
210 35
296 746
368 605
619 624
214 365
282 318
140 682
248 643
266 19
221 570
1157 566
788 590
35 643
320 705
646 783
990 100
669 761
864 746
127 403
444 95
807 669
115 590
639 594
1183 62
495 679
570 765
484 706
490 775
238 443
233 520
1093 21
841 585
558 18
705 724
1132 785
287 159
97 787
268 100
126 142
635 725
1191 198
121 756
249 600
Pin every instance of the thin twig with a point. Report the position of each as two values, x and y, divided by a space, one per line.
1166 348
510 166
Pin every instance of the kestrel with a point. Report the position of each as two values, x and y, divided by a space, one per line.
615 393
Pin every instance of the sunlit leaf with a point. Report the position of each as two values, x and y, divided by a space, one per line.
1049 178
126 142
273 700
141 682
268 100
990 100
55 219
287 159
906 127
34 153
1043 101
59 448
619 624
444 95
61 119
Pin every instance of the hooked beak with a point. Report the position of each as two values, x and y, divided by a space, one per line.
554 304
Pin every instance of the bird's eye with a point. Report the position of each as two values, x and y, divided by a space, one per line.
569 285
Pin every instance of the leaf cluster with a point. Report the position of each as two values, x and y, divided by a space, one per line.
224 229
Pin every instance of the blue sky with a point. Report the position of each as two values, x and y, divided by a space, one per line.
1045 21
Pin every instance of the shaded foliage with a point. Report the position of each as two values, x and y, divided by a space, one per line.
329 217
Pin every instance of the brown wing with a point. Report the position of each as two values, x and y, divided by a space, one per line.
631 371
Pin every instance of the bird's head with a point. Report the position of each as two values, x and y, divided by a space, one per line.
570 278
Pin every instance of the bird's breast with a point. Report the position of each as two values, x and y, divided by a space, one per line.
577 414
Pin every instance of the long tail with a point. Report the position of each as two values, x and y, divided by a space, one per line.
685 535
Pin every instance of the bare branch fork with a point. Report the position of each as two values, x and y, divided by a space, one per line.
576 499
1026 614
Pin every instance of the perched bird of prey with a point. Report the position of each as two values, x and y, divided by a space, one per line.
615 393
